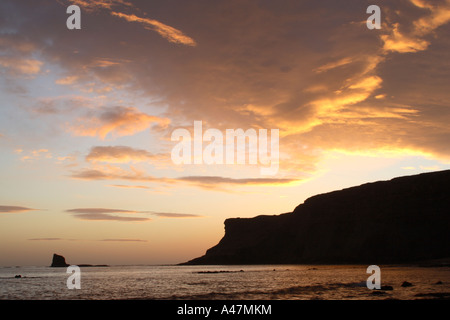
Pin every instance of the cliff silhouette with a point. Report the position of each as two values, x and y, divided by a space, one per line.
402 220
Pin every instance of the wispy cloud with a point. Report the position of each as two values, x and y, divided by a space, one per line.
21 65
211 181
128 186
110 172
431 168
123 240
99 210
103 214
119 121
171 34
334 64
107 240
118 154
106 214
12 43
14 209
34 154
67 80
91 5
208 182
46 239
175 215
109 217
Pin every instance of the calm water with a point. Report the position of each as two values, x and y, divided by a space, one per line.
223 282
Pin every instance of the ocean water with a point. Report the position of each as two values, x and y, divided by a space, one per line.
261 282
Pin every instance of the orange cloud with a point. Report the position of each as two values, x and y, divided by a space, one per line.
91 5
128 186
171 34
118 154
10 42
105 63
120 121
437 16
109 172
67 80
367 84
321 88
334 64
402 43
35 154
21 65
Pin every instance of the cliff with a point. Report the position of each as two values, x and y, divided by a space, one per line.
403 220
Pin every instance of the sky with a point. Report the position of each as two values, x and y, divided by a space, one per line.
87 116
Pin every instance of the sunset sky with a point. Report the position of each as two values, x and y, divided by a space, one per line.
87 115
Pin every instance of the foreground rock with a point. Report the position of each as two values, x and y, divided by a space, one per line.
403 220
406 284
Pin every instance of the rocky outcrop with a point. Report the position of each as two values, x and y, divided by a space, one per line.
406 219
58 261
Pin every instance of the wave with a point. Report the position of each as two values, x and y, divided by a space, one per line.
271 294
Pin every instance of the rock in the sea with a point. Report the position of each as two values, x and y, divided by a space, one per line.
387 288
406 284
377 292
58 261
402 220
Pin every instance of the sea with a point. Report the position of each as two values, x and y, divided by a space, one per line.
218 282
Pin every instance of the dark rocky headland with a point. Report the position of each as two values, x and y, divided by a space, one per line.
402 220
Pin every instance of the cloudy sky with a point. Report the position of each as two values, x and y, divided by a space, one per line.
87 115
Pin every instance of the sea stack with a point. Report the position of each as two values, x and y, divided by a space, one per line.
58 261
